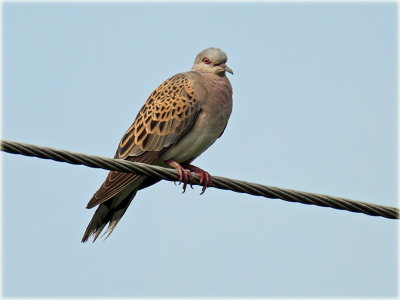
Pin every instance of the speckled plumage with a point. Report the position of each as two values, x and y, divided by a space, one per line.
179 120
169 110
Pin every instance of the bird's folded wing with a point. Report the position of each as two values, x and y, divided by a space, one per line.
165 118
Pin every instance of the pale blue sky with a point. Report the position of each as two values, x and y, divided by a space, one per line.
314 110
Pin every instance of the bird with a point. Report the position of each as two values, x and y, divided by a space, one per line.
181 118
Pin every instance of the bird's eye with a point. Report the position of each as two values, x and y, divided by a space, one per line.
206 61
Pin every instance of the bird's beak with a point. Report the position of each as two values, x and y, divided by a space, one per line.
226 68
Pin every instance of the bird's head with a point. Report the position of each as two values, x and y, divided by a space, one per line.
211 60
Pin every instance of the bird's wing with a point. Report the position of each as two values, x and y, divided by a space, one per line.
165 118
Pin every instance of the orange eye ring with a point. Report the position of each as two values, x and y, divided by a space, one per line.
206 61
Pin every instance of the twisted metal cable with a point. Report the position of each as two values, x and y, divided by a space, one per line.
217 181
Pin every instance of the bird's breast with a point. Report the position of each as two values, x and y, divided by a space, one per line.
203 134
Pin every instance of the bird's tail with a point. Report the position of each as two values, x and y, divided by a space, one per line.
108 212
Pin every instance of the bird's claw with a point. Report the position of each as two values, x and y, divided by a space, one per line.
205 177
186 176
205 180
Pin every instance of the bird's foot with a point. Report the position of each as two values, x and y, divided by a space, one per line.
185 176
205 177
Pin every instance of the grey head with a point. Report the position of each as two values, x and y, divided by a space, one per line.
211 60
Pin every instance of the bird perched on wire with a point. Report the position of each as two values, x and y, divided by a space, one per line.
179 121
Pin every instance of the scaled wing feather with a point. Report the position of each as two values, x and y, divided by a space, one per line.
165 118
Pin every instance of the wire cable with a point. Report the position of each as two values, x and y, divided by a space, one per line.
217 181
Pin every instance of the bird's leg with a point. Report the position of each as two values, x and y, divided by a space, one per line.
185 176
205 177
